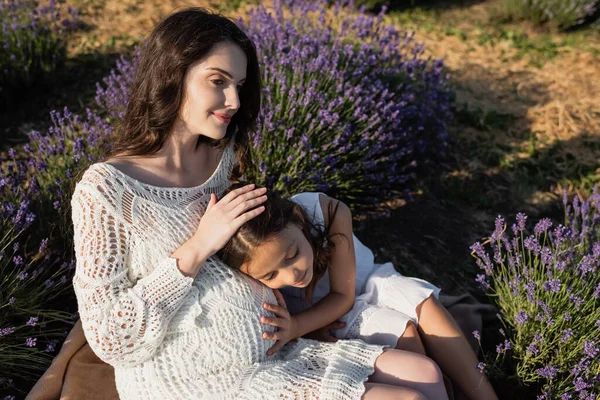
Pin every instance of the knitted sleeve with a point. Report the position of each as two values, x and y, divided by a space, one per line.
124 321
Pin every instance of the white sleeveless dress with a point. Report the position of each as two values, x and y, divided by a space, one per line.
385 299
169 336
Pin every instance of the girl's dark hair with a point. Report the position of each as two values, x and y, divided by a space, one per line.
279 212
157 91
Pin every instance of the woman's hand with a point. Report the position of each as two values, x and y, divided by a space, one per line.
283 321
223 218
324 334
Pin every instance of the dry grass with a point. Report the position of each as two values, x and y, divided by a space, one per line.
559 101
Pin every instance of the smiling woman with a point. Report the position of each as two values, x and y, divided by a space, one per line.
213 93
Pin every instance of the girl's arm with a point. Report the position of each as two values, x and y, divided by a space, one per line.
342 273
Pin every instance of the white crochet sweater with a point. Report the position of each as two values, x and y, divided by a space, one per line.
169 336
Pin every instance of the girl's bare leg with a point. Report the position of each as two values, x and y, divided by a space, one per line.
411 340
410 371
447 346
380 391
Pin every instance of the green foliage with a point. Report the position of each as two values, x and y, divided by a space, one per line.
559 14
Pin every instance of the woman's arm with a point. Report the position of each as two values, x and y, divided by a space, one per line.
124 321
342 273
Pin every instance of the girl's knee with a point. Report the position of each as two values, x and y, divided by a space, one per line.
416 395
431 371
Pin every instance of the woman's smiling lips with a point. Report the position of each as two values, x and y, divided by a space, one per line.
223 118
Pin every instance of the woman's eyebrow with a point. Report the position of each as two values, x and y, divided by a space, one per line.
227 74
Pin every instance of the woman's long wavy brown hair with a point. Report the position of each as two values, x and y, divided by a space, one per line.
280 212
157 91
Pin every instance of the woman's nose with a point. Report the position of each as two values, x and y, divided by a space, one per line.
232 99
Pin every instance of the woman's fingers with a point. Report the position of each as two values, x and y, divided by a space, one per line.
247 216
212 202
241 198
247 205
237 192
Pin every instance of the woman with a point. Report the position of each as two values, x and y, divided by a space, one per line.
173 320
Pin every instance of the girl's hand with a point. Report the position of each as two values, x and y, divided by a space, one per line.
224 217
284 322
324 334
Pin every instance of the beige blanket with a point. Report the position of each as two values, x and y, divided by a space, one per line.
77 373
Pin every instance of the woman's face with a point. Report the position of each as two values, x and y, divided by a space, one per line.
211 87
284 260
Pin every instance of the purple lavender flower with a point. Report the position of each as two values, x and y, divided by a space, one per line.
32 321
580 384
51 346
521 222
482 282
548 372
552 285
532 348
31 342
481 367
589 349
476 335
521 317
499 228
43 245
6 331
542 226
531 243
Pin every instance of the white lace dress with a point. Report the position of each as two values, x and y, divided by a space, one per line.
385 299
169 336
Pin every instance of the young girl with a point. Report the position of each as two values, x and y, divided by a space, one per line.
305 247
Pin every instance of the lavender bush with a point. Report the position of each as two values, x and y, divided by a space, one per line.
561 13
350 105
35 186
32 44
547 287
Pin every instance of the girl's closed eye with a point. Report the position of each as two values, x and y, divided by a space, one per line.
295 254
270 276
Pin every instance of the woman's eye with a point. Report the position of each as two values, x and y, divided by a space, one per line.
217 82
240 88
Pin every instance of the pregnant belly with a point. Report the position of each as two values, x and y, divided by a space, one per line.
219 327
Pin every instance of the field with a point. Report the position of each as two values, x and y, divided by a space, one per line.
526 123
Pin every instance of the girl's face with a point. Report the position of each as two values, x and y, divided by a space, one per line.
211 91
284 260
